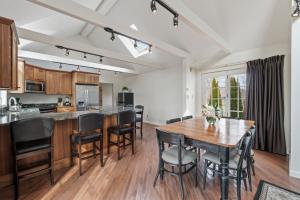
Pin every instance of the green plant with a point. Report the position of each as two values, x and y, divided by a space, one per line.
125 88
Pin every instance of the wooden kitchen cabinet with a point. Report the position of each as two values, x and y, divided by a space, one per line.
8 54
86 78
34 73
66 109
20 75
58 82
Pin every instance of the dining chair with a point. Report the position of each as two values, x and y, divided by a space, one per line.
174 156
125 126
90 130
187 117
30 138
139 118
237 163
170 121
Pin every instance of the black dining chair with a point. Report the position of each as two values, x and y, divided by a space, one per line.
170 121
90 130
139 118
125 126
175 156
238 163
30 138
187 117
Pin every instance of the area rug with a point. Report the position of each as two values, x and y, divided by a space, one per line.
269 191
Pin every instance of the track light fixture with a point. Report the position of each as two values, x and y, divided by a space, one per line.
296 13
150 49
60 66
101 59
78 68
163 4
113 32
79 51
112 36
153 6
67 52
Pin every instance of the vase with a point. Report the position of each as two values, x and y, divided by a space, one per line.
211 120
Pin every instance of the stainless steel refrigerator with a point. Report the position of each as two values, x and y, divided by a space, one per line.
87 96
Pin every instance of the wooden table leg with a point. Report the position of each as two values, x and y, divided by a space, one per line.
225 174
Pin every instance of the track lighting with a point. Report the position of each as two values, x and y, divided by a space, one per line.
175 21
67 52
163 4
60 66
296 13
101 59
150 49
78 68
84 56
153 6
135 44
112 36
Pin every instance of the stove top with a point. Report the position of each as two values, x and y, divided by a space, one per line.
44 108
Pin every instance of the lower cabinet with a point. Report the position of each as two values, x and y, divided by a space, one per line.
58 82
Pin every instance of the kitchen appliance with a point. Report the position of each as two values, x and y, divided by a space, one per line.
43 108
12 105
67 101
34 86
126 99
86 96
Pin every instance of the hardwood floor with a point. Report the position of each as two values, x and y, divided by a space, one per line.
132 178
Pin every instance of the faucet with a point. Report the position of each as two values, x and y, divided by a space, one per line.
13 107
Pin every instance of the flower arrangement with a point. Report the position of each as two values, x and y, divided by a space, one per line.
211 113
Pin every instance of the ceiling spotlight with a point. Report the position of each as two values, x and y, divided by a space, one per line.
297 10
78 68
112 36
84 56
101 59
67 52
153 6
135 44
60 66
175 21
150 49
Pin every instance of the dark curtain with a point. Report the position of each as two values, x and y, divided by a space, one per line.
265 103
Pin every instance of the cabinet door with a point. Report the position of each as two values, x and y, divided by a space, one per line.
29 73
81 78
21 83
52 82
5 56
39 74
66 83
14 61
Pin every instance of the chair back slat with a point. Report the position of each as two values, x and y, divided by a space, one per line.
169 138
90 122
170 121
126 117
27 130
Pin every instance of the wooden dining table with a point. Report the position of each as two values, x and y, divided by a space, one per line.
219 138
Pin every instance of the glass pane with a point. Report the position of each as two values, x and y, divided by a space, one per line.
233 114
241 115
234 104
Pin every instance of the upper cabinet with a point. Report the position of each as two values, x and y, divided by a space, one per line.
8 54
34 73
58 82
20 75
85 78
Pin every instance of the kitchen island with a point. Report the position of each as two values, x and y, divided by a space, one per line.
65 124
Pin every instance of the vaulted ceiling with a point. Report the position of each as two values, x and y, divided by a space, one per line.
207 29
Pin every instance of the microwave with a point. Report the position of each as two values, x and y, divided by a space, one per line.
34 86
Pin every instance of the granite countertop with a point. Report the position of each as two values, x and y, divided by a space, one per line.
9 117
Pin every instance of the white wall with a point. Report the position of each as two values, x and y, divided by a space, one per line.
107 94
295 96
160 92
235 60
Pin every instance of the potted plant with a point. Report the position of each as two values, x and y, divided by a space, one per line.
125 89
211 113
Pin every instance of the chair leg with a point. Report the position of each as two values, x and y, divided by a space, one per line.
118 141
142 129
79 155
238 186
124 141
245 181
249 174
196 173
108 142
101 152
205 174
94 149
132 142
162 170
252 166
158 172
51 170
181 183
72 151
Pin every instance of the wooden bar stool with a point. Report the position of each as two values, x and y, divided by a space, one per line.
90 130
139 118
31 138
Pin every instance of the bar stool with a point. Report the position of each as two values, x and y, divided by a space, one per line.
90 130
125 126
139 118
30 138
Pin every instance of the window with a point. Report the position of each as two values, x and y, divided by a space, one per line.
226 90
3 98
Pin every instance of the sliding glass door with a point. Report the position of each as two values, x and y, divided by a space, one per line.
225 90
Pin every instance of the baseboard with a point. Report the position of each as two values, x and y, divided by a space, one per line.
295 174
153 123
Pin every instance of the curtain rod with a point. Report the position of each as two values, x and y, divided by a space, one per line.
224 67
